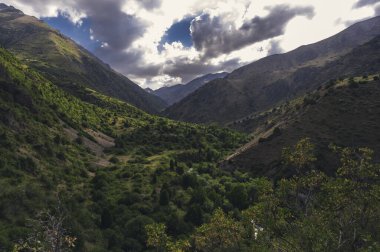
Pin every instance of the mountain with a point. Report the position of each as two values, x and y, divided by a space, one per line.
266 82
65 63
149 90
343 111
90 172
177 92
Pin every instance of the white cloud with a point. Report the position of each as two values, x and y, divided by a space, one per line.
139 58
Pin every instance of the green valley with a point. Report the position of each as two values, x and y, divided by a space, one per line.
287 157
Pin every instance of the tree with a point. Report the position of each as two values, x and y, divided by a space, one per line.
106 219
189 180
222 232
164 197
49 234
135 228
172 165
156 236
239 196
194 215
301 155
158 239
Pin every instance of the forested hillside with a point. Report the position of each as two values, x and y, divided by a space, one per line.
111 167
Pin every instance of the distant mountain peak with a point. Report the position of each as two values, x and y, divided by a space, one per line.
9 8
3 6
149 90
176 93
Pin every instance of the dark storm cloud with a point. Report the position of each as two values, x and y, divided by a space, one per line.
187 71
130 62
110 24
275 48
215 37
119 30
150 4
362 3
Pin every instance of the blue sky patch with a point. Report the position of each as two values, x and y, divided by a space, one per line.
78 33
179 31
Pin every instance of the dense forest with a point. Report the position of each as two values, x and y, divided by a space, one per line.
158 184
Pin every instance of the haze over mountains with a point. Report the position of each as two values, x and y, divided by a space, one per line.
273 79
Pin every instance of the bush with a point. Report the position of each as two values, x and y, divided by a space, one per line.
79 140
114 160
164 197
239 196
308 101
135 228
27 164
189 180
353 84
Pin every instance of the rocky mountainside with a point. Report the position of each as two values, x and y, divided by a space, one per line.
266 82
65 63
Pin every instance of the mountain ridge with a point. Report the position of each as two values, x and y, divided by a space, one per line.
263 83
175 93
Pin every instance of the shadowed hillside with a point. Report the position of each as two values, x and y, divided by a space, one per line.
343 112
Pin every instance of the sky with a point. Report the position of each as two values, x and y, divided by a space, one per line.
159 43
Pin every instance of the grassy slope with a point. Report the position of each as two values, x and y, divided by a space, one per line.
65 63
342 114
47 148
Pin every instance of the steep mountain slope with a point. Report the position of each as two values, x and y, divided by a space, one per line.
343 112
273 79
65 63
176 93
106 165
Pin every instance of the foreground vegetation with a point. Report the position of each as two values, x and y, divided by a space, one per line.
102 175
308 212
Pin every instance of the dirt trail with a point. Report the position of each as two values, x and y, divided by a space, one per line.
253 142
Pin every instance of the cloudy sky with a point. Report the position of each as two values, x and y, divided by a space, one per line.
165 42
